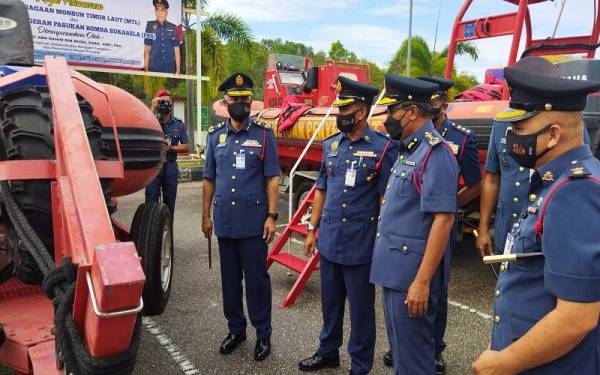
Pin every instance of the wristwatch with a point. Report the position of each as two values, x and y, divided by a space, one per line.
310 227
273 216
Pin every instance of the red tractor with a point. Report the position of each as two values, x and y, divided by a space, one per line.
69 147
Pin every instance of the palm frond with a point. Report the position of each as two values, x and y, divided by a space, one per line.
229 28
463 48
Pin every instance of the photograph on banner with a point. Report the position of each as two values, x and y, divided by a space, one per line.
136 34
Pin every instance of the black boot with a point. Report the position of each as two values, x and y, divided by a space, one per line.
440 365
231 342
387 359
317 362
262 349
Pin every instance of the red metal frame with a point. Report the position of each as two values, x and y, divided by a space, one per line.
512 24
304 267
82 231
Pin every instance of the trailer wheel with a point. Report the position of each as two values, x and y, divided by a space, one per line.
301 192
26 132
152 233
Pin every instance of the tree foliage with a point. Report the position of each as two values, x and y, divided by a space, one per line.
338 52
425 62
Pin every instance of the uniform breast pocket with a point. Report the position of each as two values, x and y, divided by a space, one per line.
405 181
366 171
331 165
527 243
252 156
221 156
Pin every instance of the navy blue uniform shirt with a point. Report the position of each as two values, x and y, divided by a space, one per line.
569 237
464 147
240 202
349 218
162 39
176 133
423 182
514 183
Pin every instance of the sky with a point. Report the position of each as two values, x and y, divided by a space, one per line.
374 29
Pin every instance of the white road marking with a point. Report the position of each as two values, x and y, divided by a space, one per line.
450 302
470 309
186 366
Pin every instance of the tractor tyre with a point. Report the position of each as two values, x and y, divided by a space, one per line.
152 234
301 192
26 133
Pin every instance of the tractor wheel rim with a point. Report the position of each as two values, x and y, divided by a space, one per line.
166 259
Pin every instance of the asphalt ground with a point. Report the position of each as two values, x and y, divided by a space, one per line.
186 338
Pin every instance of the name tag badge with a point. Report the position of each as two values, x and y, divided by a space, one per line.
251 143
508 247
350 176
240 160
365 154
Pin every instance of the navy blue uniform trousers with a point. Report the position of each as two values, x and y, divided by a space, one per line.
411 338
338 282
246 258
165 182
441 319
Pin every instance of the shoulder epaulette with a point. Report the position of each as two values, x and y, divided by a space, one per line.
431 139
262 124
462 129
385 136
214 128
332 136
577 171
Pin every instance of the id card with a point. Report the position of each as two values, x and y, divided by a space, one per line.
508 247
240 160
350 177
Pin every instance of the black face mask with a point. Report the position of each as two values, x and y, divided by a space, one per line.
164 107
436 112
346 122
394 127
522 147
239 111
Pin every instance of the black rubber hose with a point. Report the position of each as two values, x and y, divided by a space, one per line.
32 242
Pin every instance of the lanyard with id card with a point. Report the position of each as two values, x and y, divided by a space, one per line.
240 160
351 175
509 243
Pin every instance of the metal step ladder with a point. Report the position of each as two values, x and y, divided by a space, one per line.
304 267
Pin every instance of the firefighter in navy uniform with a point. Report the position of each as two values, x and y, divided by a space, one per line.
464 147
412 253
177 143
548 300
356 166
506 182
161 42
241 181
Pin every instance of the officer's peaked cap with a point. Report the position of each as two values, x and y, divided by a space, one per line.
349 91
401 89
237 84
535 85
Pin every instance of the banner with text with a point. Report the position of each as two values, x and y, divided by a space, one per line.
134 34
